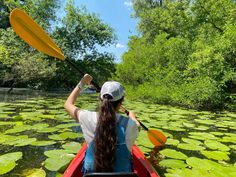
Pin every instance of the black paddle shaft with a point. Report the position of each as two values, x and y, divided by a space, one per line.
144 127
81 72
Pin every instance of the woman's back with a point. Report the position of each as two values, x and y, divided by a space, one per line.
123 161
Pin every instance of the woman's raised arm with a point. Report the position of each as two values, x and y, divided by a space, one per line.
70 102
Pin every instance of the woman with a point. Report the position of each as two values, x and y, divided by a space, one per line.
110 136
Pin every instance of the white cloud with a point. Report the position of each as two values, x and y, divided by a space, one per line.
119 45
128 3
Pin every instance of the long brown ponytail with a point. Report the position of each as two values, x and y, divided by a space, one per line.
105 138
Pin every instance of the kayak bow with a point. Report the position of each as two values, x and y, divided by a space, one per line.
142 167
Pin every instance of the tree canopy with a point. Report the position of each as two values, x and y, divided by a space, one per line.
185 53
78 34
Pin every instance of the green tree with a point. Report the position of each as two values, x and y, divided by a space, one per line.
14 52
185 53
78 36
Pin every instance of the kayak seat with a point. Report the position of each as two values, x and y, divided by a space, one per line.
122 174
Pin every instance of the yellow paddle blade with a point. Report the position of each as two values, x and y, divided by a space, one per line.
156 137
33 34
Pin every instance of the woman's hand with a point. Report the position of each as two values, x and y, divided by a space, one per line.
86 80
132 116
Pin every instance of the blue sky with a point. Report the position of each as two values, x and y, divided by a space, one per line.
117 14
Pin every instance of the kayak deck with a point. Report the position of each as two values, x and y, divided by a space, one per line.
142 167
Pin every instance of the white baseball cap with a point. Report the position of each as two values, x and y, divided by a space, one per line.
113 89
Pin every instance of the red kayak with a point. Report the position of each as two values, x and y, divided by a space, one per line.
142 167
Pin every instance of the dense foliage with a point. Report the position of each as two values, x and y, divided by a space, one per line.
185 53
78 34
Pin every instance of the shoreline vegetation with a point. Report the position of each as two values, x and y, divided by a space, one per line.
184 55
131 95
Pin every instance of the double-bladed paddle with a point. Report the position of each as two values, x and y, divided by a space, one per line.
28 30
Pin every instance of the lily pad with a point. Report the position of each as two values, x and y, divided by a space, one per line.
204 164
189 125
190 147
217 133
143 139
216 155
215 145
55 164
228 139
197 137
145 149
72 146
201 127
59 174
191 141
7 161
25 142
56 137
233 147
57 152
40 126
3 116
7 123
207 122
173 154
18 129
203 135
70 135
230 134
63 136
173 128
5 167
13 140
35 172
189 173
173 163
13 156
67 125
172 142
42 143
213 168
6 138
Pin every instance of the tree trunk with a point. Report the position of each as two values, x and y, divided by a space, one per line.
161 2
12 86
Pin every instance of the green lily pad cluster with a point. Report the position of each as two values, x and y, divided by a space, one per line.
194 134
202 128
202 167
28 124
200 143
